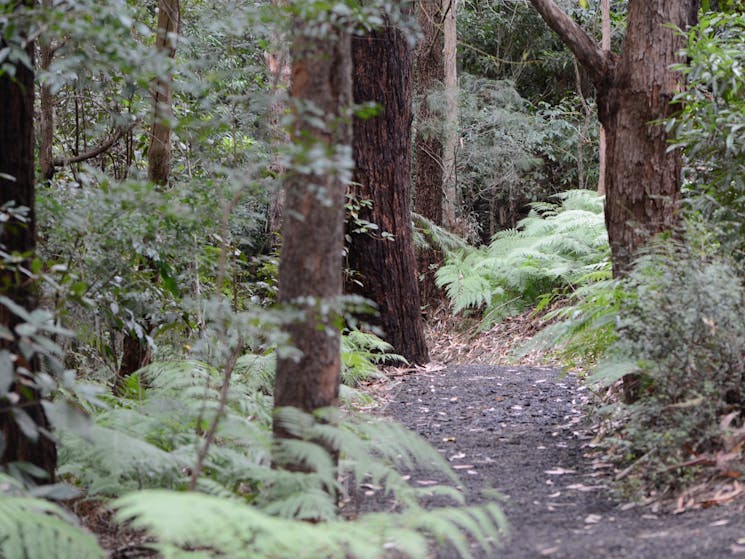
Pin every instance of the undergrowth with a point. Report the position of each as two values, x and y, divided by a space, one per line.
681 327
143 448
557 248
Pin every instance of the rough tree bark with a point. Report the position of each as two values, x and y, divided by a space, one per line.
386 268
430 75
17 186
452 116
310 268
634 90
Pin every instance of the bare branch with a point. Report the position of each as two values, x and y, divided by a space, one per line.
98 150
597 62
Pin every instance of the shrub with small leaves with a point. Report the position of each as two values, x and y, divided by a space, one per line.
682 329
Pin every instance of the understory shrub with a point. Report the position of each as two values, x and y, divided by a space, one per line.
681 327
709 126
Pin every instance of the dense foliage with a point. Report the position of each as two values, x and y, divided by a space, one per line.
188 270
710 126
557 247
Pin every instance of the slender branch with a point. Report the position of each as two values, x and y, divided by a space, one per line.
96 151
223 403
589 55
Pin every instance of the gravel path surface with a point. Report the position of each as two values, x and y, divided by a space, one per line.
520 430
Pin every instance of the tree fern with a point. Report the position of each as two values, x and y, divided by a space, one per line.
428 234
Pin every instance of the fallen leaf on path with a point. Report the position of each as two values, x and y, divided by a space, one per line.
559 472
582 487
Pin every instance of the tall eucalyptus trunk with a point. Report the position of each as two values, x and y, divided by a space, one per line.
634 91
383 264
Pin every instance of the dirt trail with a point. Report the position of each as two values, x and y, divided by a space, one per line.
520 430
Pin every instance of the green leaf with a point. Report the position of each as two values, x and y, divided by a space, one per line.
25 423
7 371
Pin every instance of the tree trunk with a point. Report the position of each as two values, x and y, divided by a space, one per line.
159 152
385 266
428 144
310 268
135 351
46 109
452 117
642 177
430 75
605 44
17 185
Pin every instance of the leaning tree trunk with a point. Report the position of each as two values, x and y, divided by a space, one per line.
642 176
428 142
18 237
385 267
310 267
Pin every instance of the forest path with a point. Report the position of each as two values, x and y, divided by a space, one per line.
520 430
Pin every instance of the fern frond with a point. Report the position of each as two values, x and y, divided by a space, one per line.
551 250
194 525
361 353
437 237
113 461
36 529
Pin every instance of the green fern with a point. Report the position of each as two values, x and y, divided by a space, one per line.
584 328
194 525
557 247
427 234
32 528
362 353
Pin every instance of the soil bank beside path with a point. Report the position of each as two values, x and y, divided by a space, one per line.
520 430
